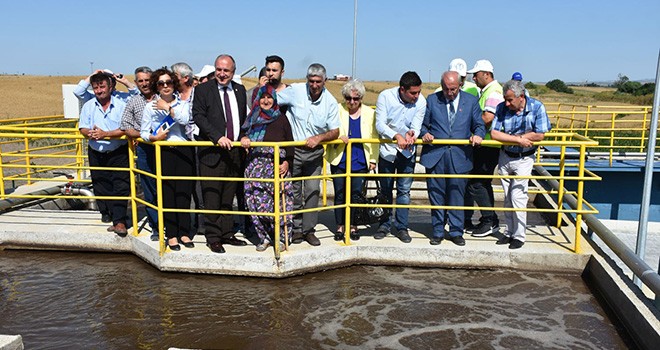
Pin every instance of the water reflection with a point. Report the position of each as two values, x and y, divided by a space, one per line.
114 301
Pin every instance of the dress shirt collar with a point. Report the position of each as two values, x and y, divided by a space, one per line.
230 87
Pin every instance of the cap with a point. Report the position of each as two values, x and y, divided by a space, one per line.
107 71
482 66
459 66
517 76
206 70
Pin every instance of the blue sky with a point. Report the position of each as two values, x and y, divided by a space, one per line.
571 40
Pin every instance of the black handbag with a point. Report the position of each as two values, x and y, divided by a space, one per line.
373 213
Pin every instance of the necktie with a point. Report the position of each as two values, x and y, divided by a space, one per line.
228 117
452 114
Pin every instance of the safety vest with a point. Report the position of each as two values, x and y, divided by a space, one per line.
493 87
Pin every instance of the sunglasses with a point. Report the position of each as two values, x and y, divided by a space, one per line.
349 98
162 83
142 80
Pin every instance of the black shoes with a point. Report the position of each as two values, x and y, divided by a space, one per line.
516 244
312 240
233 241
381 232
403 236
297 238
504 240
188 244
216 247
458 240
436 240
106 218
484 229
174 247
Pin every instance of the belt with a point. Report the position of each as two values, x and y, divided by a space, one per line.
519 154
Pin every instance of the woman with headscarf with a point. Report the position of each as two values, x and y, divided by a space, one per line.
266 124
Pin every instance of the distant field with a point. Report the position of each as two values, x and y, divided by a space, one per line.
28 96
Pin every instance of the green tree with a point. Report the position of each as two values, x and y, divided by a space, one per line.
558 86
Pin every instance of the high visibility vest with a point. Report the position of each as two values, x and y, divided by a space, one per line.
495 87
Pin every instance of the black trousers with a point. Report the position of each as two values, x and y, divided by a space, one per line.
219 195
480 191
177 161
111 183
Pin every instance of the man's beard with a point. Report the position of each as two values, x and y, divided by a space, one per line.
274 82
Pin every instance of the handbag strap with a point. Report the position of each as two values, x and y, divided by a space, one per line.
365 183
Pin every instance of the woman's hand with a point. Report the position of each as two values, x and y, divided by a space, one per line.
284 168
343 138
162 105
160 135
372 166
245 142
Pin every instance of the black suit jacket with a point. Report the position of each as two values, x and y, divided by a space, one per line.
209 115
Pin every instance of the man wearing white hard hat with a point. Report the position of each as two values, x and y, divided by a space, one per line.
480 190
459 66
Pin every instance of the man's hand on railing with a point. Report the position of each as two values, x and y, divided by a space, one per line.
522 141
224 142
96 134
476 140
313 141
427 137
245 142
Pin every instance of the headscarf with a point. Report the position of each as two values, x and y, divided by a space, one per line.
255 124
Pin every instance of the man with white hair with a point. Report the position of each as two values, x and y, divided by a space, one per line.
314 116
520 120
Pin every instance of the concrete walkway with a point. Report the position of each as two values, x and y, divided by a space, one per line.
547 248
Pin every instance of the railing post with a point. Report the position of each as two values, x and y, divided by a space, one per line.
580 199
26 142
562 172
586 125
644 120
347 192
131 167
612 137
572 118
159 200
324 180
2 175
277 193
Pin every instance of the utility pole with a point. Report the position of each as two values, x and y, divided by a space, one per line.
354 38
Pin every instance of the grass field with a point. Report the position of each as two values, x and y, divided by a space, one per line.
29 96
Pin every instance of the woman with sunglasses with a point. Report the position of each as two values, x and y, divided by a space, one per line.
165 119
266 123
357 121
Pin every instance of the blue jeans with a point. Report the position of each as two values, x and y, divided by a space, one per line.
339 184
401 165
146 162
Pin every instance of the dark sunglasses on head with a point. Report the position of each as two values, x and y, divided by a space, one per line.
349 98
162 83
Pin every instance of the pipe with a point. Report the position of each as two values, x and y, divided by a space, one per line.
638 266
91 202
11 202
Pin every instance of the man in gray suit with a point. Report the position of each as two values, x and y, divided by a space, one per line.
450 114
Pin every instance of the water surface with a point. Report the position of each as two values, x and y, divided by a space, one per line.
59 300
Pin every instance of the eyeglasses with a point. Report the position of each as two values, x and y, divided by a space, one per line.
350 98
142 81
163 83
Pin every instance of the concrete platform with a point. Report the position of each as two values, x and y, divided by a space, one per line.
547 248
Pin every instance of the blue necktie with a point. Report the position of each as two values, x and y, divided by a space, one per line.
452 114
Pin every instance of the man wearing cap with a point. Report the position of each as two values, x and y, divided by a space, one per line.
399 115
219 109
205 74
131 121
518 76
84 95
520 120
459 66
480 190
314 116
99 119
450 114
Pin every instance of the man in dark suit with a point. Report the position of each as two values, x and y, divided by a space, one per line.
219 110
450 114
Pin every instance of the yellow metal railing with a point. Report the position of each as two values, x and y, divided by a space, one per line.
72 138
618 129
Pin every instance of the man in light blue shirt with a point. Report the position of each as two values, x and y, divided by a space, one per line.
84 95
314 117
100 118
399 115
